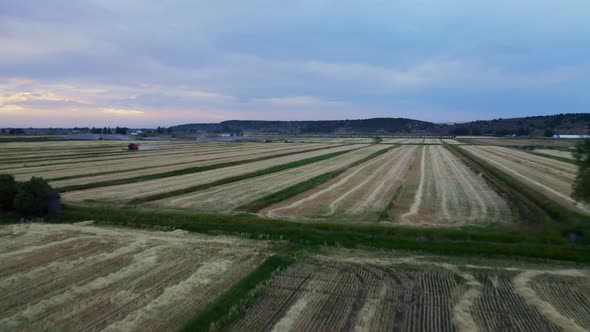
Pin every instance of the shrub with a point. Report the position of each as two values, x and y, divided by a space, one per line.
8 190
35 197
581 187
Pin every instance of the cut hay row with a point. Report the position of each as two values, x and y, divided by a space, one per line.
361 191
131 280
551 177
228 197
366 291
151 164
441 190
126 192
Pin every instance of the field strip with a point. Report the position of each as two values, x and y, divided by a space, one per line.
80 184
568 155
178 165
145 151
233 195
65 171
126 289
565 169
139 190
444 191
548 190
134 156
364 188
71 171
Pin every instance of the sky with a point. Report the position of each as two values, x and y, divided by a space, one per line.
148 63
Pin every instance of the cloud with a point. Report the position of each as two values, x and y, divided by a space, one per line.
20 97
122 112
10 108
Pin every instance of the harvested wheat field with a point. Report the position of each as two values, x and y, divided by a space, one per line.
87 278
126 192
361 193
441 190
353 290
227 198
59 163
539 142
161 164
551 177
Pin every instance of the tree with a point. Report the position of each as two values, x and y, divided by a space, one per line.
581 186
548 133
377 140
35 197
8 190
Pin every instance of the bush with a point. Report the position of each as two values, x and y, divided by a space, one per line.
36 198
581 187
8 190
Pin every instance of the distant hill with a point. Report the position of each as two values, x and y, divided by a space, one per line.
528 126
376 125
578 124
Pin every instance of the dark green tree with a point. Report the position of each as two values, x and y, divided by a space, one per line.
581 187
34 198
8 190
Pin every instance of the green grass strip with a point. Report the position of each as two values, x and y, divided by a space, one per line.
230 179
303 186
489 240
177 172
229 306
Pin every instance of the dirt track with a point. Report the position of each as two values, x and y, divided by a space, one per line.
82 278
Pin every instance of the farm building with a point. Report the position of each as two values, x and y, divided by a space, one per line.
571 136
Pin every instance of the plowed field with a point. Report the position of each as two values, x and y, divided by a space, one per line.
362 291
